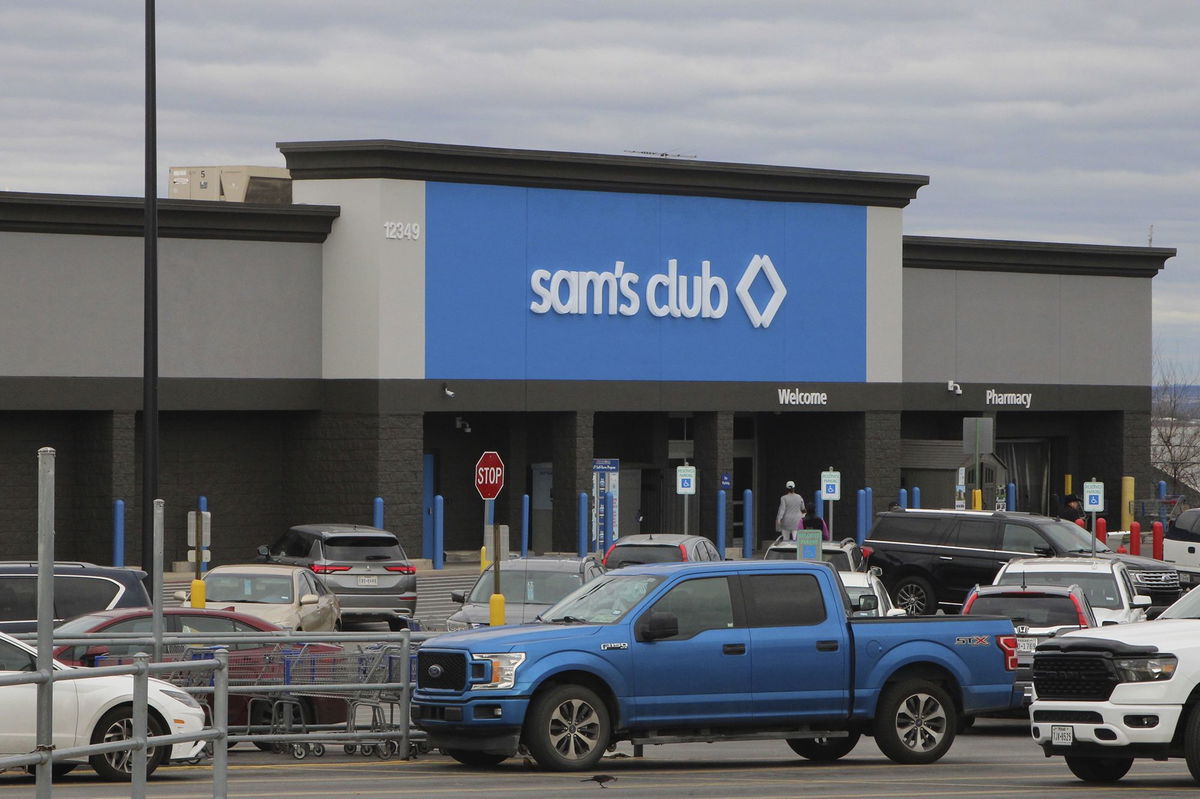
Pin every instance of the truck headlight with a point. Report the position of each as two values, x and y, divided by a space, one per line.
498 670
1153 669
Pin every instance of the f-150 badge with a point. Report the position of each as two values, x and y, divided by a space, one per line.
971 640
614 646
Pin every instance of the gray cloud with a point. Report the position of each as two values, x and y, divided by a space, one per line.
1065 121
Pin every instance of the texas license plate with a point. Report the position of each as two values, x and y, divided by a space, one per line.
1026 644
365 579
1062 735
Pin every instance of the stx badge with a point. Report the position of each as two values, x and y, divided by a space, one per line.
971 640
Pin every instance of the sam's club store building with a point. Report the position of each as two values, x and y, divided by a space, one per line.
414 305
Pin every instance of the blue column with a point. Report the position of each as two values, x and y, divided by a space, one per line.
916 497
747 524
903 498
860 531
439 520
721 523
119 532
524 525
583 524
606 531
377 513
1010 497
819 503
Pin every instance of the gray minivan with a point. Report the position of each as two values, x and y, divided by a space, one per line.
365 567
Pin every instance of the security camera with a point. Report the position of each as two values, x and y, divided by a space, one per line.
446 390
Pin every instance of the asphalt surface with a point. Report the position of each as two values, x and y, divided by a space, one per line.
995 759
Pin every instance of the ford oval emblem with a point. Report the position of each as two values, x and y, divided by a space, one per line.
435 671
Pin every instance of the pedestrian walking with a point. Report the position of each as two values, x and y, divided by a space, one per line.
814 522
791 513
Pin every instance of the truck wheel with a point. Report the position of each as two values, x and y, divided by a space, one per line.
469 757
567 728
915 722
1099 769
1191 742
914 594
824 750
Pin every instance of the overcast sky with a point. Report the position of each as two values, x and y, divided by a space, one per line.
1042 121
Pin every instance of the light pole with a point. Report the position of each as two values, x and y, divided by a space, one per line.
150 312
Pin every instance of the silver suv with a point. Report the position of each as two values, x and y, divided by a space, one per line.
364 566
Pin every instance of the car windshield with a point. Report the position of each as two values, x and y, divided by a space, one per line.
80 624
631 554
1031 610
1070 537
1188 607
1100 587
525 586
603 601
362 547
269 589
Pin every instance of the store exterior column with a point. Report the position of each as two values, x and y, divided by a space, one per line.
713 454
573 433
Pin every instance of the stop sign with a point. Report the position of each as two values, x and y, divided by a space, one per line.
489 475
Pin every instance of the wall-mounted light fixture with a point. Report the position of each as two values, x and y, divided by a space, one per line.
953 387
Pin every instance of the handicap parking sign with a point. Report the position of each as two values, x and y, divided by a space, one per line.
1093 497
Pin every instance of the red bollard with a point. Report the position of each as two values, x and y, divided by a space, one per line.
1081 523
1102 529
1135 538
1157 531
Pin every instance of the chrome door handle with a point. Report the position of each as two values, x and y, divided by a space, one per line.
945 557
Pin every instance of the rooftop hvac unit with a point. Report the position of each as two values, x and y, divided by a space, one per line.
236 184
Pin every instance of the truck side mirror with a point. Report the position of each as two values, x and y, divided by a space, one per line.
458 596
1141 601
657 625
867 603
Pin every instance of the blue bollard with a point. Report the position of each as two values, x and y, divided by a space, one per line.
721 523
439 520
202 506
860 526
607 529
903 498
119 532
524 525
819 503
747 524
1010 497
377 513
583 524
869 517
1162 489
916 497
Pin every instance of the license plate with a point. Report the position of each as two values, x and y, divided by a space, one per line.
1062 735
368 579
1026 644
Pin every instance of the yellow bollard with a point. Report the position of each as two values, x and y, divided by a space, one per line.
496 610
198 594
1126 502
1067 485
483 561
976 499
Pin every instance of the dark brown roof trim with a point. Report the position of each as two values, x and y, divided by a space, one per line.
403 160
180 219
983 255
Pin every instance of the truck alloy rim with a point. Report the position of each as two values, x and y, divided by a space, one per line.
574 729
911 598
921 722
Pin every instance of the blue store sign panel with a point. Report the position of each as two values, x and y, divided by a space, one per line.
555 284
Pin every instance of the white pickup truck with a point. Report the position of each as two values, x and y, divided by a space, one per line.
1103 697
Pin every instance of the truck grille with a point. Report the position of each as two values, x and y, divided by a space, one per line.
446 670
1082 676
1168 580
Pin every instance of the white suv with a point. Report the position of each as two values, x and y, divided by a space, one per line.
1106 583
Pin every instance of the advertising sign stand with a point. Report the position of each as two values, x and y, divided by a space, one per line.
606 479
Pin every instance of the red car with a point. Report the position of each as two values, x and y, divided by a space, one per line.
248 662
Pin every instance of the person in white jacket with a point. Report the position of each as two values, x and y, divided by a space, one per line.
791 513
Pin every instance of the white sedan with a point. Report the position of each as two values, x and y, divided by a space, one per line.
289 596
94 710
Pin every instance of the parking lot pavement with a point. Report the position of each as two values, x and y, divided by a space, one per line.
996 759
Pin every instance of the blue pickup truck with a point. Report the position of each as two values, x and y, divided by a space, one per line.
737 650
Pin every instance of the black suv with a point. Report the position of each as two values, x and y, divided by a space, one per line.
932 558
78 588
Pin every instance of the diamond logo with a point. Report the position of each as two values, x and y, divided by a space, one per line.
761 263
